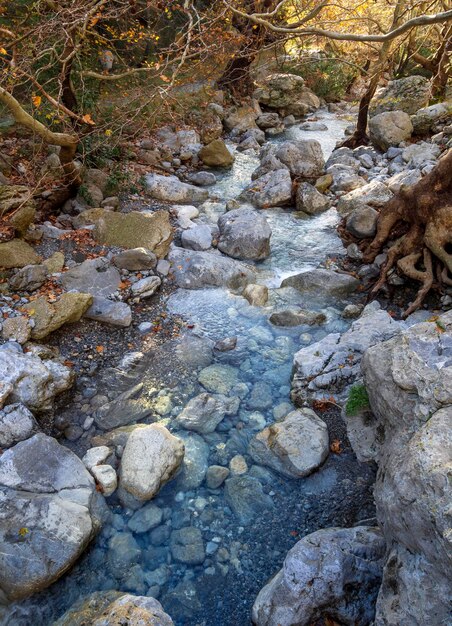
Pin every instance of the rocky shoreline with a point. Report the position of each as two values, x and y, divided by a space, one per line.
174 437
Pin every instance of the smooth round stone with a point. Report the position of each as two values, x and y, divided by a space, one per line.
238 465
216 475
218 378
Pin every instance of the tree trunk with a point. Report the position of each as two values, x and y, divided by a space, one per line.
424 251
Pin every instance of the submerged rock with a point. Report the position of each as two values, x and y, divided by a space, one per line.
246 497
334 572
271 189
204 412
322 282
49 512
115 608
294 447
195 270
187 545
218 378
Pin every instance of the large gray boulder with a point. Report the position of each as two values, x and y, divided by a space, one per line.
408 380
244 234
303 157
288 93
49 512
115 608
334 572
294 447
405 94
17 423
151 457
196 270
390 128
331 364
271 189
171 189
33 378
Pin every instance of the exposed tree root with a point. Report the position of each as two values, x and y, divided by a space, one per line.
425 250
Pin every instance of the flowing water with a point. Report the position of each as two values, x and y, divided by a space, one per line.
239 557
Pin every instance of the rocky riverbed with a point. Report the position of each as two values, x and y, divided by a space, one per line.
209 436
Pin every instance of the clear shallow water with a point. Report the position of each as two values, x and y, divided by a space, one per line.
239 557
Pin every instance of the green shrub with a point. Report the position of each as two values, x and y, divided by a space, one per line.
328 78
357 400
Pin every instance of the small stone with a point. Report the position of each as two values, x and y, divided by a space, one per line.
257 295
17 423
106 478
218 378
109 312
146 518
146 287
16 329
187 545
55 263
238 465
135 259
96 456
28 278
225 345
216 475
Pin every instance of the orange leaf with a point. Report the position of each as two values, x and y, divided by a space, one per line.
336 446
88 119
100 349
36 101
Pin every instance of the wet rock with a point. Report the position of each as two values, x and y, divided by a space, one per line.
110 312
336 571
257 295
405 94
187 545
128 407
196 270
30 380
136 229
216 475
151 457
294 447
123 552
271 189
244 234
198 237
362 222
194 352
322 282
146 287
374 194
49 513
135 259
202 179
261 396
17 423
16 329
390 129
296 317
225 345
310 201
216 154
194 467
218 378
17 207
146 518
171 189
204 412
17 253
246 498
114 608
48 316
